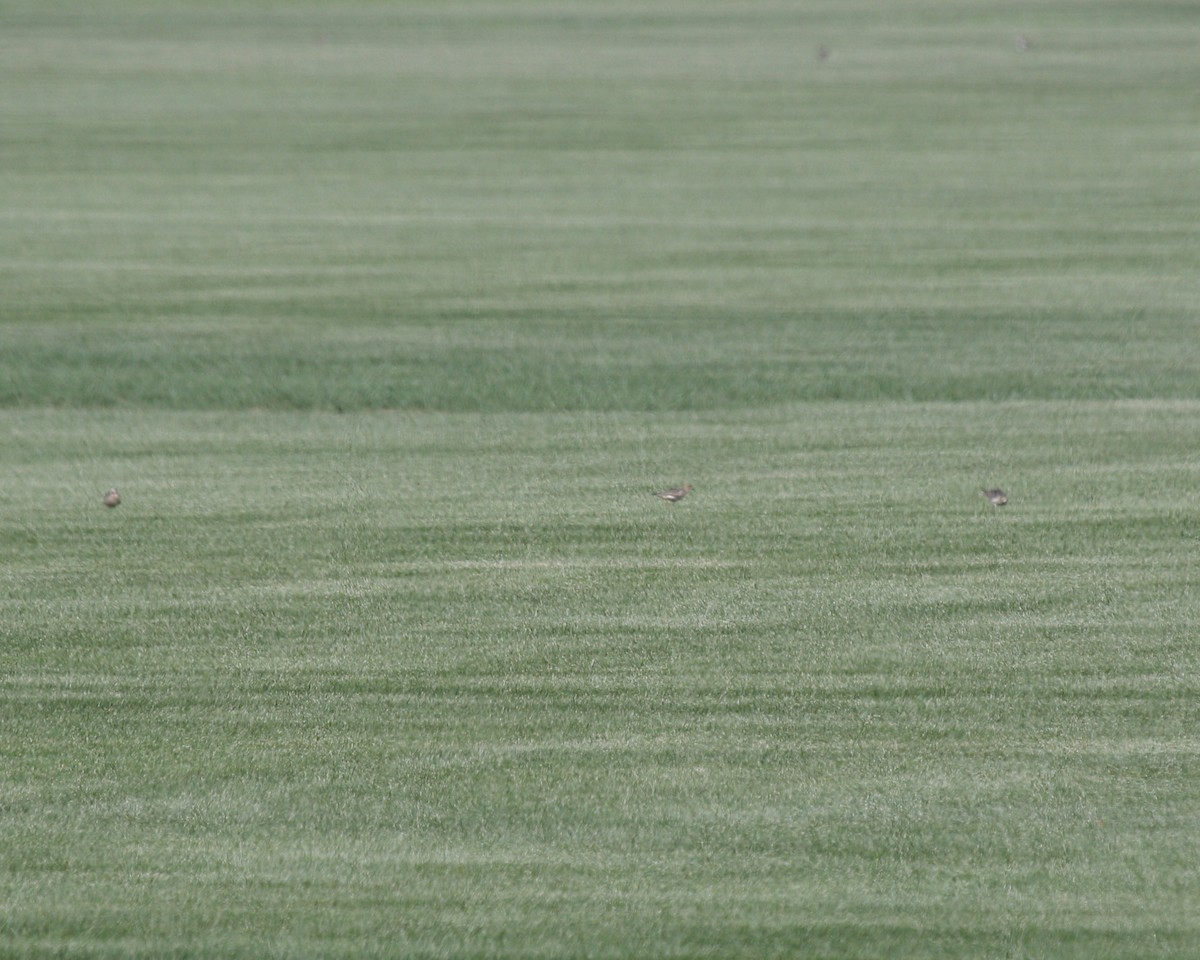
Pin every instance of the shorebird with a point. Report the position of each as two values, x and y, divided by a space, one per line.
997 497
112 498
1024 44
675 494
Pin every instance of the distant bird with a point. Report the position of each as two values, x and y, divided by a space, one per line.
112 498
823 52
1024 44
997 497
675 494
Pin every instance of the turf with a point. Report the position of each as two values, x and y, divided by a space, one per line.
387 319
539 206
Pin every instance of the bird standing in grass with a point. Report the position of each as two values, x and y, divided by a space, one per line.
675 494
112 498
996 497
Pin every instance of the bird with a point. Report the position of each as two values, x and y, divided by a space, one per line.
823 53
112 498
996 497
675 494
1024 44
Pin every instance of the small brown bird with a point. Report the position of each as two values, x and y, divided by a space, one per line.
112 498
996 497
675 494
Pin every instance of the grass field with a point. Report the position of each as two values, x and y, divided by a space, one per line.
388 318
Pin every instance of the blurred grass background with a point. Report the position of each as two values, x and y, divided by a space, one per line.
540 206
387 318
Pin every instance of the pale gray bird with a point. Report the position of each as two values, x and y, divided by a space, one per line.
675 494
112 498
996 497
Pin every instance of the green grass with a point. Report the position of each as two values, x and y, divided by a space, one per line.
387 319
383 684
542 206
